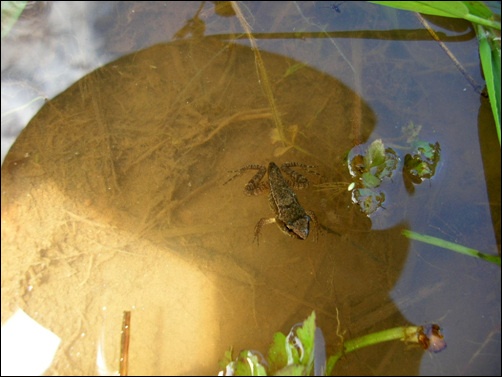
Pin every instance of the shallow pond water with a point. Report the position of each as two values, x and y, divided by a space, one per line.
113 196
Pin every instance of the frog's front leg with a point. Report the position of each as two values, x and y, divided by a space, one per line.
315 223
255 185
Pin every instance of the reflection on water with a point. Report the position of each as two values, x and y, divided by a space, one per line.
113 198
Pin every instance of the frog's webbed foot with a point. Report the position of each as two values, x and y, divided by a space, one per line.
259 225
298 181
255 186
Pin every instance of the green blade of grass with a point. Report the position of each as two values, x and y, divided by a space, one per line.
451 246
489 53
476 13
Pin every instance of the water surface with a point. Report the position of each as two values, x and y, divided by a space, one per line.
113 195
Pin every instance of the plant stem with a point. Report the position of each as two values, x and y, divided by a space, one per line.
482 21
404 333
451 246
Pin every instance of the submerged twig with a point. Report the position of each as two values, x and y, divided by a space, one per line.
241 116
262 73
124 343
477 88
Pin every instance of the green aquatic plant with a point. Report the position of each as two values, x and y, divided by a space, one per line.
422 162
368 170
302 352
487 30
429 337
291 354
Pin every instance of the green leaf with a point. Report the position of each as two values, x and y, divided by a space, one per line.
248 364
369 200
375 154
455 9
277 357
227 359
489 53
427 150
370 181
422 164
306 335
479 9
377 163
389 165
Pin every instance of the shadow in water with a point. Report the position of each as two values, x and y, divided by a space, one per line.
113 200
488 142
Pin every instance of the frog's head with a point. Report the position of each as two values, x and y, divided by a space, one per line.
299 228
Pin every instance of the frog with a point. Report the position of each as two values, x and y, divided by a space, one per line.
291 218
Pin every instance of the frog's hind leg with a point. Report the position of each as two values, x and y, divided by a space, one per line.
259 225
298 180
255 185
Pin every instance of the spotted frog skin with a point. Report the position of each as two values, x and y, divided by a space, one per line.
290 216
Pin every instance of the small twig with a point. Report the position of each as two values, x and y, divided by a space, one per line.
241 116
124 343
459 66
262 72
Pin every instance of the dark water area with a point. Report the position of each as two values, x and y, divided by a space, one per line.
135 114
